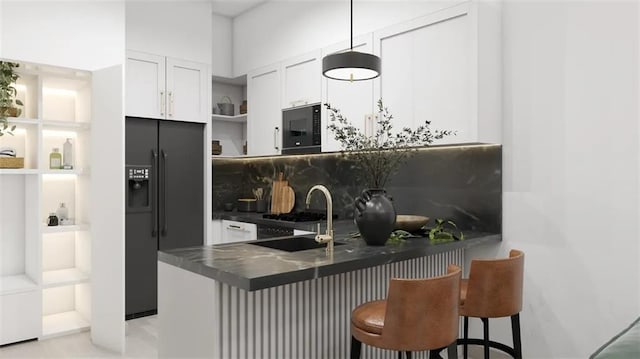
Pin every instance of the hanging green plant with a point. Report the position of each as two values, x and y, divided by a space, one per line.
8 101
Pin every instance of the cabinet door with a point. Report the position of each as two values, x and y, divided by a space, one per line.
187 95
427 72
301 80
145 85
21 317
353 99
216 232
264 121
233 231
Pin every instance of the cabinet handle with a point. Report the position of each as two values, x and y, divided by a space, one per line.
154 195
162 103
236 228
276 130
165 224
170 103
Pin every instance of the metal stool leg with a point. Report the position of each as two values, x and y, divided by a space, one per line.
452 351
465 348
356 347
515 330
485 324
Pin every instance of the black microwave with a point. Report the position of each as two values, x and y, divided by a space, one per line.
301 130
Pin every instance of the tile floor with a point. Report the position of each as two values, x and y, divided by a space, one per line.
141 342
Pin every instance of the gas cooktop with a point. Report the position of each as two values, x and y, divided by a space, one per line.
299 216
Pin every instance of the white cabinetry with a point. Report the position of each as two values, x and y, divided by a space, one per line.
264 133
166 88
45 271
230 131
301 80
353 99
234 231
444 68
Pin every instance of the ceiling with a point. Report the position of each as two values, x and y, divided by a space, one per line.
233 8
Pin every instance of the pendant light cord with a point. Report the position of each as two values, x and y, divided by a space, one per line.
351 25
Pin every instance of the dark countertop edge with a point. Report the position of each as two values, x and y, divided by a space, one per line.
279 279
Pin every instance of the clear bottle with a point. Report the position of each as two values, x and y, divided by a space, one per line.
55 159
62 213
67 155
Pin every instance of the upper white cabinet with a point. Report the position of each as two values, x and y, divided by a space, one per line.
187 91
301 80
353 99
166 88
264 121
145 85
444 68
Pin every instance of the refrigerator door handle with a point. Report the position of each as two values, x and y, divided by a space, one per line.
165 225
154 194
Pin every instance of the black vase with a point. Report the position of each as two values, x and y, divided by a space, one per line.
375 216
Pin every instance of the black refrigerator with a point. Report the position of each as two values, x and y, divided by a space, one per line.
164 179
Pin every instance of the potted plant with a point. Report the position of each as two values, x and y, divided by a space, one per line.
8 100
378 157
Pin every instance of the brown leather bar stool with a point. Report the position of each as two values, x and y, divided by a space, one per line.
493 290
418 314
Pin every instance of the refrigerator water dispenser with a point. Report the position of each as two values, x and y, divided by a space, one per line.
138 188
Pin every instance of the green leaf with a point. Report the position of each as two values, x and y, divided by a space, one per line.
18 102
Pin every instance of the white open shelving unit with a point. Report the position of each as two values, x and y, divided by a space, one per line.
45 272
231 131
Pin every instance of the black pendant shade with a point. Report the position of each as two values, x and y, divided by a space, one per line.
351 66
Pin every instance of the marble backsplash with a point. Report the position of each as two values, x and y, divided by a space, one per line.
458 182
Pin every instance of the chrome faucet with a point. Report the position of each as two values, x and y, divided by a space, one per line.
328 236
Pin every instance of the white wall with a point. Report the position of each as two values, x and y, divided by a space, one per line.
85 35
277 30
178 29
221 64
571 171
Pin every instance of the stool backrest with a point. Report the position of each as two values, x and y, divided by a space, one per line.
495 287
422 314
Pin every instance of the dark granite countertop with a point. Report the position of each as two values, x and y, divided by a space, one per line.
252 267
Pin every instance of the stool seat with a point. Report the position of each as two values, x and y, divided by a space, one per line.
370 316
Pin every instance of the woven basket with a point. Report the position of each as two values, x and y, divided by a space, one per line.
11 162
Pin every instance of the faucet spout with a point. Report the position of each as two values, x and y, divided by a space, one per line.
328 236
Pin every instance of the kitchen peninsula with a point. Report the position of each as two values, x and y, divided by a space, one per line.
250 301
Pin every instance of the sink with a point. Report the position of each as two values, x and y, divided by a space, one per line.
293 244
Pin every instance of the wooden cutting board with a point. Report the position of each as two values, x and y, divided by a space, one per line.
282 196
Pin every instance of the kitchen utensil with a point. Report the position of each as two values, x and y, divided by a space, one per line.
258 193
410 223
246 205
226 106
276 189
282 196
288 199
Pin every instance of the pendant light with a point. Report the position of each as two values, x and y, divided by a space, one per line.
351 65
